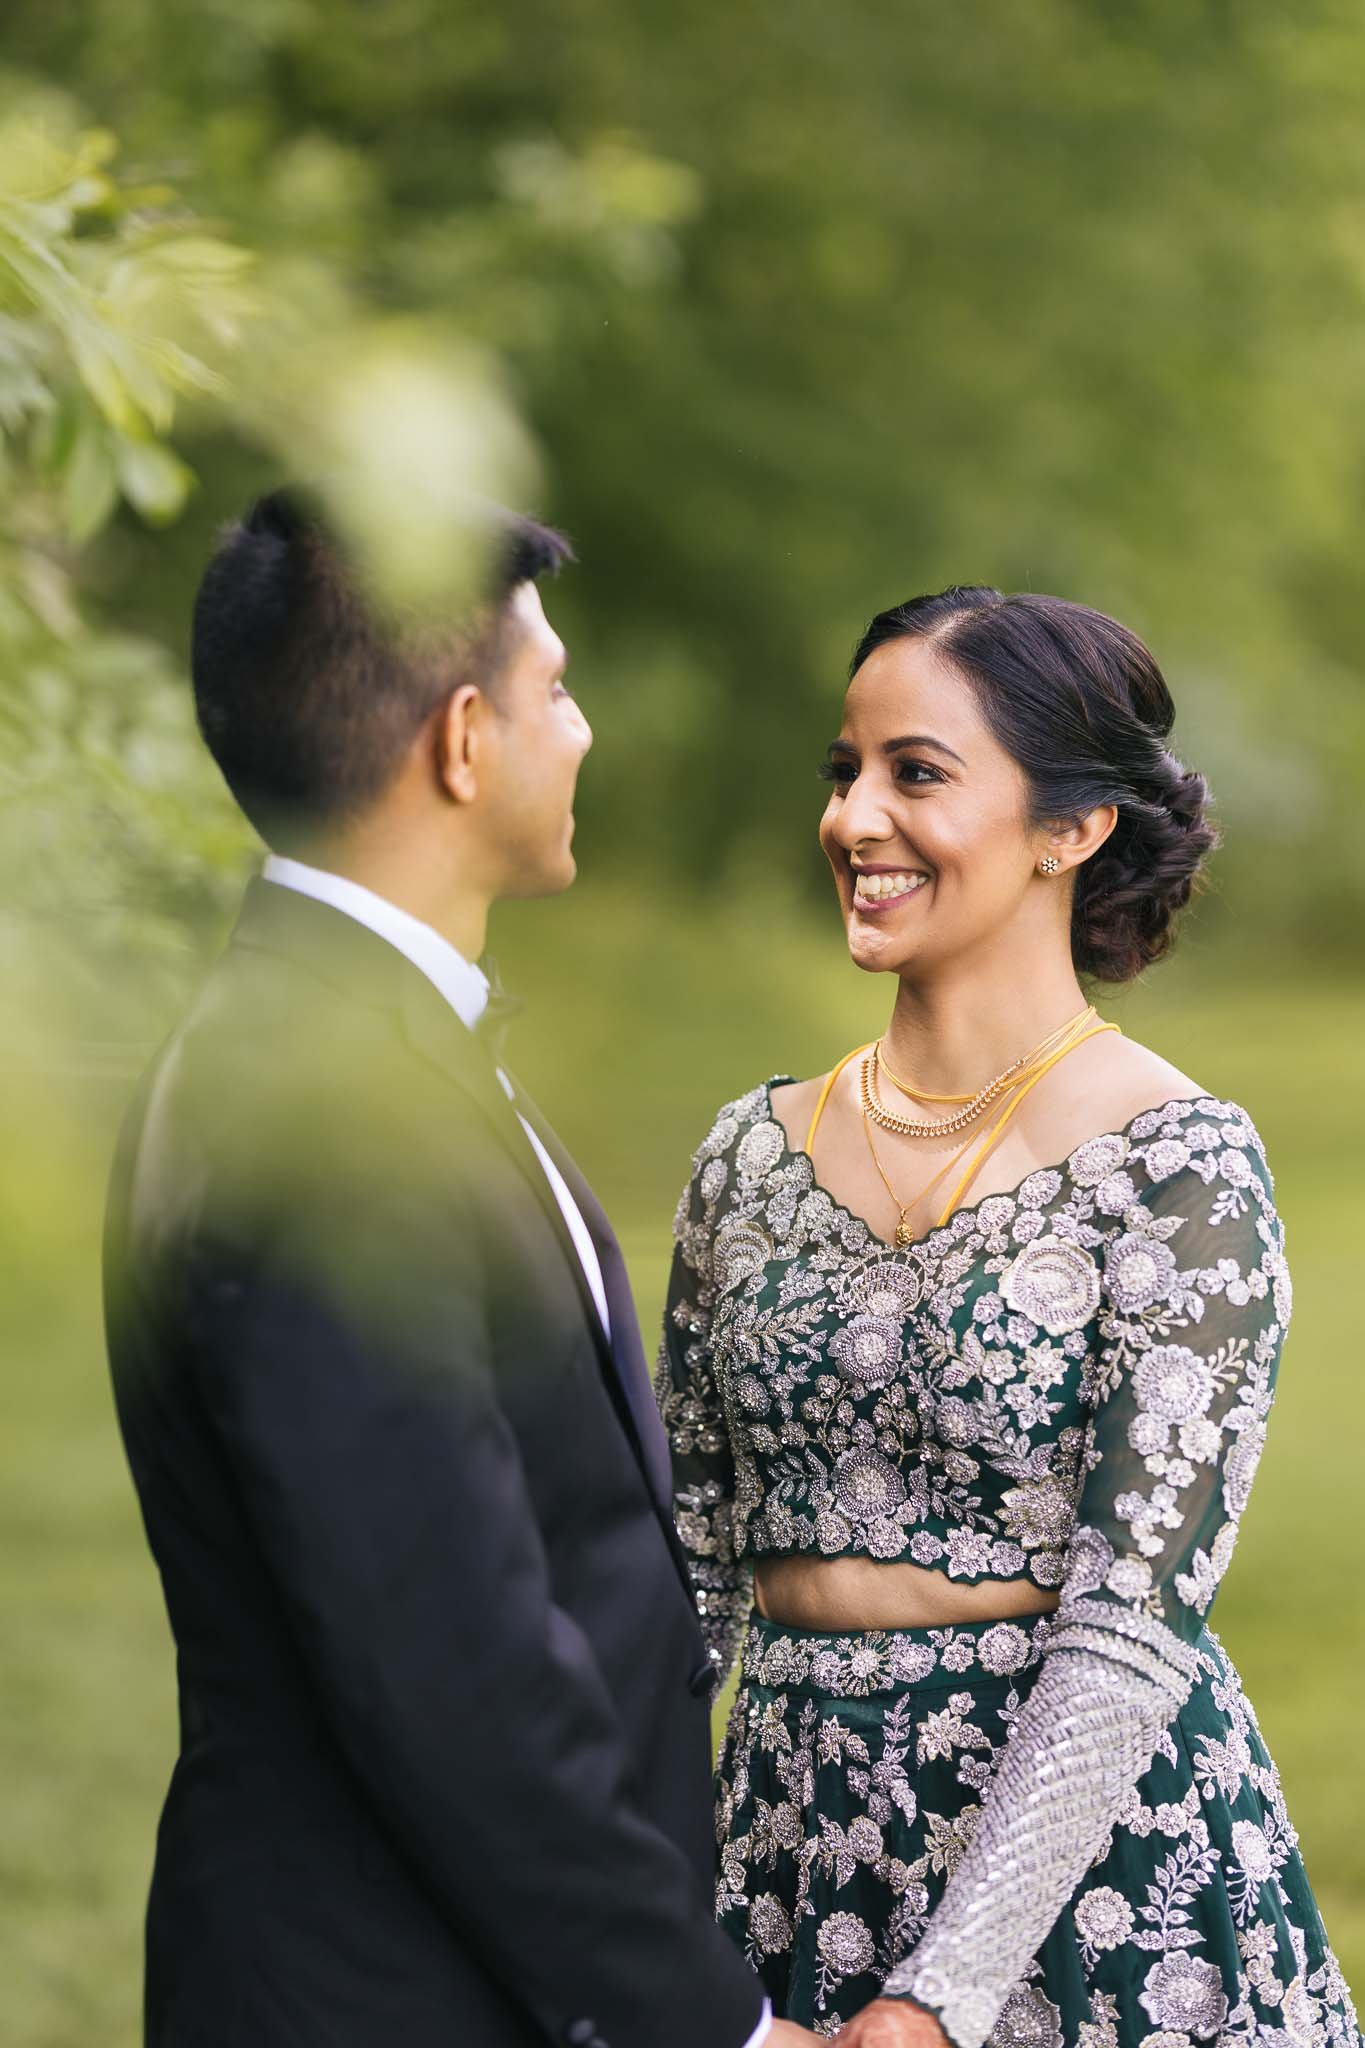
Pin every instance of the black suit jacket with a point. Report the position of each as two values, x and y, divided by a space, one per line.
444 1778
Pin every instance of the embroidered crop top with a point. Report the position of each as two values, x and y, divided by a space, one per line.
1068 1382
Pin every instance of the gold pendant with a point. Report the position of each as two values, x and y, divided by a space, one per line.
904 1235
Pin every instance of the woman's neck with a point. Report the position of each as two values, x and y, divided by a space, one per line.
952 1036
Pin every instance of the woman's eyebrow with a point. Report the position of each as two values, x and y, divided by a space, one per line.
921 739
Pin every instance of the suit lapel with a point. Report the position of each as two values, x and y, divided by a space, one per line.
443 1040
368 968
438 1035
627 1349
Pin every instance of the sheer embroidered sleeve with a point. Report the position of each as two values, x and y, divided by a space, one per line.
694 1414
1194 1302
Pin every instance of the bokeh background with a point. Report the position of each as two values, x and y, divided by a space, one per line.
785 312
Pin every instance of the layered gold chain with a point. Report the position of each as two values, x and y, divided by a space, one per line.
1015 1082
973 1106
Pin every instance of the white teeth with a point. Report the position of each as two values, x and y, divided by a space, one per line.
876 888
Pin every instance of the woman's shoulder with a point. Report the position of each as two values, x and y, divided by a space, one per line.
791 1103
741 1114
744 1141
1129 1095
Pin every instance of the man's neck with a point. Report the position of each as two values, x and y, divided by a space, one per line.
460 915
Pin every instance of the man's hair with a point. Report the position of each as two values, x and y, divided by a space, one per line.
307 694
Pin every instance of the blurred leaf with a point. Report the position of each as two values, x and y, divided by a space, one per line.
89 479
152 478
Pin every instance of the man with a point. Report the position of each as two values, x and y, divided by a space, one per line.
444 1768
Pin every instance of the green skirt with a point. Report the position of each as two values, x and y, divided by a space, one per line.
849 1783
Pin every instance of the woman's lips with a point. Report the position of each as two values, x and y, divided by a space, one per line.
878 890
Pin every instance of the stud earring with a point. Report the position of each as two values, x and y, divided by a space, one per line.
1050 864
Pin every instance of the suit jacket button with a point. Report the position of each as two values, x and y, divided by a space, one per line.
702 1682
580 2033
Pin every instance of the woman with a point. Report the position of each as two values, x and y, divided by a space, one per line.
961 1477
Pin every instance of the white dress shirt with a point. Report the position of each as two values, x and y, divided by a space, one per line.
465 988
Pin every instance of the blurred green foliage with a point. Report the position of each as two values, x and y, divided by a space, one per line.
810 308
784 311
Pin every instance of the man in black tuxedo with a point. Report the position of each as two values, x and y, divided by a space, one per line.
444 1776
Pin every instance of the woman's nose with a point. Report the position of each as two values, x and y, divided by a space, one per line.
861 815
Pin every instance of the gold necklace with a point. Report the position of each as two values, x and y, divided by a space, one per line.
904 1235
976 1105
1075 1034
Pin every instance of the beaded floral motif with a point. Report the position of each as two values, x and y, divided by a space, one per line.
1068 1381
940 1403
854 1785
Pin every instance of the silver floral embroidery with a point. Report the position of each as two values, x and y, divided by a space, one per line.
1183 1991
1003 1648
867 1350
1084 1734
1028 2019
1138 1272
793 1763
1040 1513
759 1151
868 1485
1054 1283
741 1251
1098 1157
1166 1157
1104 1918
1074 1380
889 1288
1174 1383
770 1927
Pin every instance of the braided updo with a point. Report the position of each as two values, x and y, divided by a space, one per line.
1079 703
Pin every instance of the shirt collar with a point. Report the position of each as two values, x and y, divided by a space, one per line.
464 985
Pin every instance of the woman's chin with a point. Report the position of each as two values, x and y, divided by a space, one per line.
874 950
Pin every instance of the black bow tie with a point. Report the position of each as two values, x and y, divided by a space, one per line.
491 1029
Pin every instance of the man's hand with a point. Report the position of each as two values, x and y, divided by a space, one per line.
786 2034
892 2023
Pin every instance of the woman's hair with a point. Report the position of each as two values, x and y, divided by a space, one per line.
1080 704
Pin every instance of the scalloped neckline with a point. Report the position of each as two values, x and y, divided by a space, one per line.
1060 1166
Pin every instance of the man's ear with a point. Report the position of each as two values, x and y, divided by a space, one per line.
461 736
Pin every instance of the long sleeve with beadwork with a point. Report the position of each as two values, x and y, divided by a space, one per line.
698 1434
1194 1303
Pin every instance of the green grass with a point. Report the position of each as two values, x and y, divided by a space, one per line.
641 1020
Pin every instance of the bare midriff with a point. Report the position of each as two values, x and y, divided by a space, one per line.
840 1593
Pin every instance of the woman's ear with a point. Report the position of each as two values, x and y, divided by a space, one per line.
460 737
1072 844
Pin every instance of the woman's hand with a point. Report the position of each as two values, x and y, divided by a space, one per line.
892 2023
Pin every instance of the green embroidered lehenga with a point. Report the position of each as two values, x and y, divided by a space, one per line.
1064 1829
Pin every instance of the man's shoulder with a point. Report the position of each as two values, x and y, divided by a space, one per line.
276 1090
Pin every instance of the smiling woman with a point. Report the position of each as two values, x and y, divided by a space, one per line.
959 1480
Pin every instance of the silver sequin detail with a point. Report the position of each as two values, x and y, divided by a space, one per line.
1084 1735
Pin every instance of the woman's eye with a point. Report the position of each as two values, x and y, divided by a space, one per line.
916 771
915 774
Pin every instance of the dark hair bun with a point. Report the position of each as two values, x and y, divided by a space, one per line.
1129 893
1078 701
